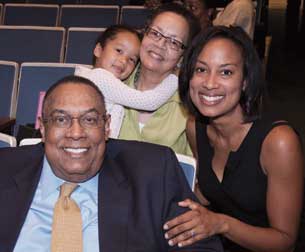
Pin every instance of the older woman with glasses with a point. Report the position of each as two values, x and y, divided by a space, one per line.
168 33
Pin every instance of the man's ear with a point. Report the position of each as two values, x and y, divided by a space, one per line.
98 50
42 129
107 126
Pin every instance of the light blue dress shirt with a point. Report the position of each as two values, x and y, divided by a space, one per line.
35 235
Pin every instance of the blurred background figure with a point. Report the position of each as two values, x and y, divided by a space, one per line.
202 10
238 13
234 12
295 26
154 4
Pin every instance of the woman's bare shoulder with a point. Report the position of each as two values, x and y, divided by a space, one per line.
281 146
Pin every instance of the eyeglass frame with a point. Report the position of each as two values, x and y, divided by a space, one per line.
100 117
167 39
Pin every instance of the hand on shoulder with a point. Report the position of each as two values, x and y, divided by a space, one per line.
197 224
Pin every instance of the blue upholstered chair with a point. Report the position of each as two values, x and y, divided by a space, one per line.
31 43
105 2
83 38
7 140
34 78
30 14
88 16
8 88
134 16
12 1
188 165
53 1
29 141
1 10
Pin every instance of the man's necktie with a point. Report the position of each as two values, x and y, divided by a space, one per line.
67 222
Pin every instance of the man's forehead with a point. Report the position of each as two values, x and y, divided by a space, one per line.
75 97
74 89
78 111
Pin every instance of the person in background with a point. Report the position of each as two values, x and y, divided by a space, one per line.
79 191
295 27
167 34
201 10
250 169
154 4
239 13
115 57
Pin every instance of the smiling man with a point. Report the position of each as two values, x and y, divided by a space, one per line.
74 128
71 193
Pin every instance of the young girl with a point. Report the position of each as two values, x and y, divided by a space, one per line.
115 57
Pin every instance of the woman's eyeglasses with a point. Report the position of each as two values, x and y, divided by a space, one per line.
171 42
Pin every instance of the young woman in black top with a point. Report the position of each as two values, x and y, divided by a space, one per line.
250 169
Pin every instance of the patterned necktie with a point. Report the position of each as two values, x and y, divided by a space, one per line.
67 222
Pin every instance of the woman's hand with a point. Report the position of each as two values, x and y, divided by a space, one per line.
194 225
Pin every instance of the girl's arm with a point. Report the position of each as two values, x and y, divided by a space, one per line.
118 92
282 161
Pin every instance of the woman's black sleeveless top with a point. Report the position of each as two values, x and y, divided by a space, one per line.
242 192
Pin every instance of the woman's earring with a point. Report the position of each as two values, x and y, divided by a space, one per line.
179 63
244 86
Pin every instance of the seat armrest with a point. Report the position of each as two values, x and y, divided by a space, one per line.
6 124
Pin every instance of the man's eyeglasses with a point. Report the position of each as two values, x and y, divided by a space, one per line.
171 42
88 120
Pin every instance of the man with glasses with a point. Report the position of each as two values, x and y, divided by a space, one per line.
71 194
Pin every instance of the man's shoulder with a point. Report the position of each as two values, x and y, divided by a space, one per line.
140 161
20 151
15 158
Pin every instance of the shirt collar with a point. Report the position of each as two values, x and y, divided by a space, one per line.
50 183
